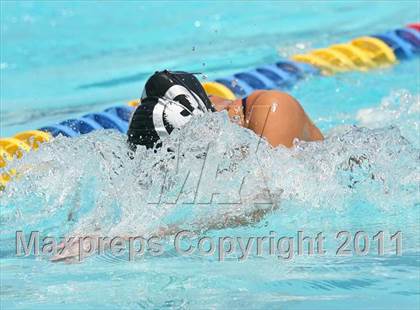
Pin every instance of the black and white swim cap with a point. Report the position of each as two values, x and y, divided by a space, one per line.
169 100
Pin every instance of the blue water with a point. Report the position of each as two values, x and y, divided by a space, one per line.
62 59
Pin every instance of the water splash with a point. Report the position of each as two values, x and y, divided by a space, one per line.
401 109
209 169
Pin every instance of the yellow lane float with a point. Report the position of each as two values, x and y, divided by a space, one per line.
218 89
336 58
380 53
357 56
14 146
326 67
33 137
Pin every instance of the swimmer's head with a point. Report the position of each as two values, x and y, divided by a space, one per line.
168 101
180 86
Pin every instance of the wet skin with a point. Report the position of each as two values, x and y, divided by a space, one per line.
275 115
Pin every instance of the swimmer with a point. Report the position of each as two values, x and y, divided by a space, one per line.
170 99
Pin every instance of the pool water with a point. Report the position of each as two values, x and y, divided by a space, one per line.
60 60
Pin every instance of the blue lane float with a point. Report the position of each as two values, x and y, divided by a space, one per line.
367 52
404 42
112 118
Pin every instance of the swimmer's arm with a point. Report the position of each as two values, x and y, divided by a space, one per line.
226 220
231 221
71 251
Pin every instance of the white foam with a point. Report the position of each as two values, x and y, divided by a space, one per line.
400 108
90 184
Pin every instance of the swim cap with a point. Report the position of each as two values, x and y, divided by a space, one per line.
169 100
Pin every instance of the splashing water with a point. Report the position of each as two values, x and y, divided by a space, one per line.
401 109
210 169
362 178
206 174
